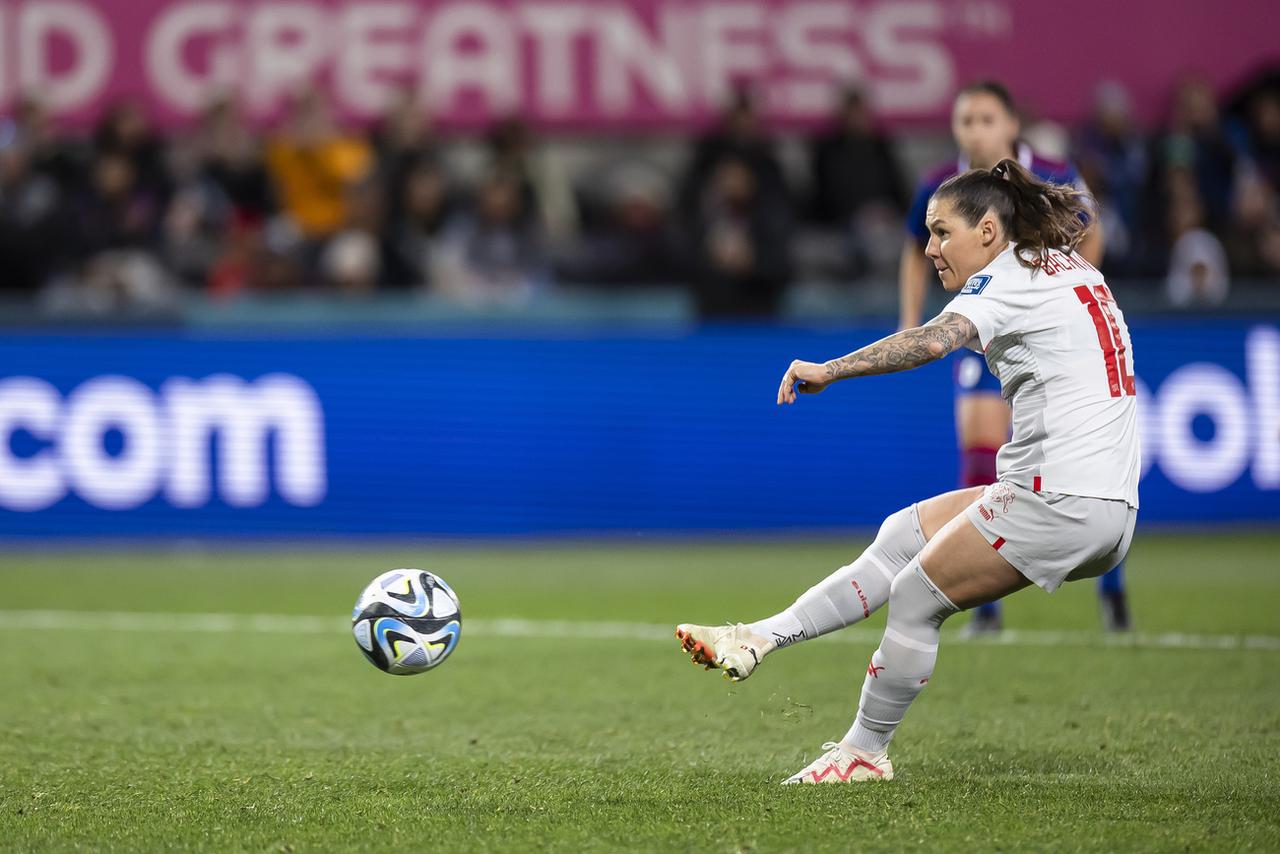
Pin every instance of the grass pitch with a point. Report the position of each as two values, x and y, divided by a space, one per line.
127 732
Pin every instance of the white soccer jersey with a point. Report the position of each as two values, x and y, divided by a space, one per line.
1058 343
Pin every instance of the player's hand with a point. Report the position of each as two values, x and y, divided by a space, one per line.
802 377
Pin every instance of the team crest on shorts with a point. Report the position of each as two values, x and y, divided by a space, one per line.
975 284
1001 494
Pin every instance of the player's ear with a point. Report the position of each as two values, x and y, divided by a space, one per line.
988 229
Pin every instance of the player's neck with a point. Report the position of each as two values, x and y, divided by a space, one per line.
993 252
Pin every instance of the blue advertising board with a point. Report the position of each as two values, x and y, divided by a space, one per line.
173 434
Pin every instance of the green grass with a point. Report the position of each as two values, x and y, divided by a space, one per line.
165 740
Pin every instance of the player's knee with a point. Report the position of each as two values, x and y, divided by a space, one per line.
914 599
900 536
894 524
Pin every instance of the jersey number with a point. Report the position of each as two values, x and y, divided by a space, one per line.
1098 301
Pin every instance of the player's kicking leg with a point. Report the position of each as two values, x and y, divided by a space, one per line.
847 596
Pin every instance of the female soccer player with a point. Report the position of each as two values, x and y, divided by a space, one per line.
1065 501
985 126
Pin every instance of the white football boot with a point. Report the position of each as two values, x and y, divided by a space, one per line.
731 648
842 764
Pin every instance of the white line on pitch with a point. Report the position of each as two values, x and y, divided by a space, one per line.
141 621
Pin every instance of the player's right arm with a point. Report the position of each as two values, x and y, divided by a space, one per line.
900 351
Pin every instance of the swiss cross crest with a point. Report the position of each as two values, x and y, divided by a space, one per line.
1000 494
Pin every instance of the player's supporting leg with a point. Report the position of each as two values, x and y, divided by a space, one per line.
903 663
964 571
1114 600
847 596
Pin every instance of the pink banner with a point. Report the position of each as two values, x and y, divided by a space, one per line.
613 64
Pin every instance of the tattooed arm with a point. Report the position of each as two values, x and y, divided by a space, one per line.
901 351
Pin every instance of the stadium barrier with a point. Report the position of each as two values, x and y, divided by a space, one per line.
172 434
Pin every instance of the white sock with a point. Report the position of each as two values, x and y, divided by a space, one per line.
853 592
904 663
783 628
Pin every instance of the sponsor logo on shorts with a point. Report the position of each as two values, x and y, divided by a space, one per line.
873 671
985 513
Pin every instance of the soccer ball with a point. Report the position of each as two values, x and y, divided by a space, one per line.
406 621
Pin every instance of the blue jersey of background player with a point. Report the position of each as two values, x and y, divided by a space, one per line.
985 126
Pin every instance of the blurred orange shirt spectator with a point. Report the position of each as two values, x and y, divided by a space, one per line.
314 165
313 180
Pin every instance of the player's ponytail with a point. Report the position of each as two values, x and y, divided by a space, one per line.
1036 215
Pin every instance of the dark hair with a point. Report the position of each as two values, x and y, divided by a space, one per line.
1036 215
993 88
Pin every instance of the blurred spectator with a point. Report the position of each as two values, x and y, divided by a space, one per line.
352 262
195 230
116 210
421 207
741 260
50 153
1253 241
632 245
1264 135
1196 141
405 133
314 166
32 238
739 136
1198 274
220 184
114 233
491 254
404 141
231 160
858 194
1112 156
737 219
854 167
125 131
546 189
1255 125
355 260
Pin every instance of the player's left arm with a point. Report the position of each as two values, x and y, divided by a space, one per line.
901 351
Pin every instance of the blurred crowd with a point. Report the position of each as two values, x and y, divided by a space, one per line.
129 217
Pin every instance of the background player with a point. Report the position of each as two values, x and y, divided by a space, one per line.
1065 504
985 126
